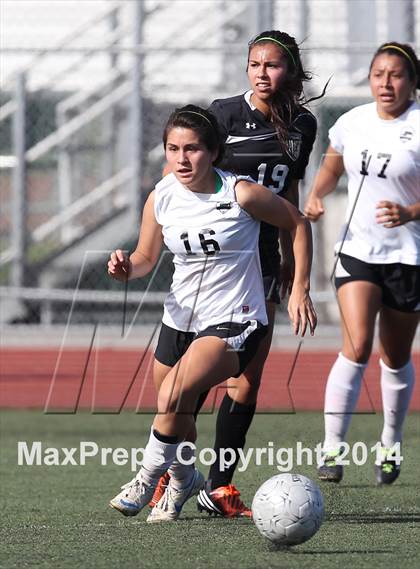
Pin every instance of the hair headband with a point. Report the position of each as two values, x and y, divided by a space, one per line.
391 46
195 113
280 44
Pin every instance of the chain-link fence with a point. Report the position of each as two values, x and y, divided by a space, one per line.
81 118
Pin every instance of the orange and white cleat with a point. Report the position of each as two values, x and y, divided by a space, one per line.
222 501
160 489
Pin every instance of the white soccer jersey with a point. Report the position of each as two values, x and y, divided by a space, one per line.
388 152
215 245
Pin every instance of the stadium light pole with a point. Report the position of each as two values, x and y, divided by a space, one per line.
136 113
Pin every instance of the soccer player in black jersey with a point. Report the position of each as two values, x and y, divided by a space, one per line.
268 135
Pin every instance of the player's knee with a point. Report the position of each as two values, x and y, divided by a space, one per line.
395 360
250 397
359 350
246 389
252 375
251 386
177 398
167 398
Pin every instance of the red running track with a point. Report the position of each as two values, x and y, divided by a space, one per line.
113 379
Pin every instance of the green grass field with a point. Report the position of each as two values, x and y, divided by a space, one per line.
58 516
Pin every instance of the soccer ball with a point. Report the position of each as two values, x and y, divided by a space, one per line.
288 509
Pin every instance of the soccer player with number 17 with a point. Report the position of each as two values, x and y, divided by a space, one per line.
378 265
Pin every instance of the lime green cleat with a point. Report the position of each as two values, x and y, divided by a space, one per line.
387 468
329 470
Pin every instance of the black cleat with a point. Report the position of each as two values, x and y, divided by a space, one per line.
387 470
329 470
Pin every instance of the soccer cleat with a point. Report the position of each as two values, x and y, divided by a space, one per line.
329 470
160 489
170 505
386 470
134 496
222 501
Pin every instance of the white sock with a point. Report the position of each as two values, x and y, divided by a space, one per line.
158 457
180 472
397 387
341 395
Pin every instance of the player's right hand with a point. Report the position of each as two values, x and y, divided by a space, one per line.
313 208
119 265
301 311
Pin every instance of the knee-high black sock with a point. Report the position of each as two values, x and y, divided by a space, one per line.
233 422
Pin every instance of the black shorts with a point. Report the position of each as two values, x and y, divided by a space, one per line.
244 339
400 284
270 262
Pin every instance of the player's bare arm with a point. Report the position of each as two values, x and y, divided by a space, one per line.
287 265
146 254
393 214
266 206
326 181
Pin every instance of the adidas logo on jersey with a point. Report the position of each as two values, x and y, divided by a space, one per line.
249 125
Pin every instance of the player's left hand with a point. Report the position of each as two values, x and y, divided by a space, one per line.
392 214
301 311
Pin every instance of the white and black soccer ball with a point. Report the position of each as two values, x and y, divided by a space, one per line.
288 509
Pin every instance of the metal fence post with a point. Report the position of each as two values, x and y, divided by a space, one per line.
111 125
400 18
136 113
361 28
65 179
19 201
303 22
264 12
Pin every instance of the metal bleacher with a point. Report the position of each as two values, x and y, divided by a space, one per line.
81 124
103 152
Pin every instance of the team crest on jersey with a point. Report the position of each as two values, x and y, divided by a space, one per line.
407 134
294 144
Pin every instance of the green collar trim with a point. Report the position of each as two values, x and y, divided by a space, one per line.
219 183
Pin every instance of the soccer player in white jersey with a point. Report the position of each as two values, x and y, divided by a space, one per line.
377 271
215 315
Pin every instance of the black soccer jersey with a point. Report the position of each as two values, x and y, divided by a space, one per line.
253 149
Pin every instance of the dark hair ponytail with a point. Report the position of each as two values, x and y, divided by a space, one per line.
290 97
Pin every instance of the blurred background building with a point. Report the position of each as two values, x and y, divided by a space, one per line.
86 87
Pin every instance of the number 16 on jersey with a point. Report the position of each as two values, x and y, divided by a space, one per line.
209 246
